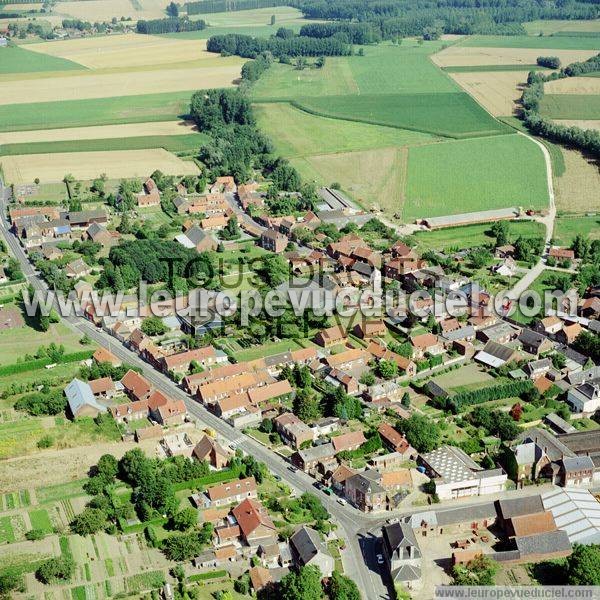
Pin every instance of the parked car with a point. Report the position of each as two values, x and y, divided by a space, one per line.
342 501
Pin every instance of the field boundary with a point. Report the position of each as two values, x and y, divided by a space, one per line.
318 113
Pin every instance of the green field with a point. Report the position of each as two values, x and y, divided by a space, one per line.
471 175
561 42
296 133
98 111
562 27
18 60
255 22
61 491
566 228
452 115
395 86
570 106
469 236
172 143
40 520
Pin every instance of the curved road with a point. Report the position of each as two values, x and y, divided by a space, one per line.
548 221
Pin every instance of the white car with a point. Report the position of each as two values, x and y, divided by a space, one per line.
342 501
380 559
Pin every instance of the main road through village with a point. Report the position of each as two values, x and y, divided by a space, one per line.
359 530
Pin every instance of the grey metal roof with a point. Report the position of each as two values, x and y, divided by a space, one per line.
459 334
406 572
578 463
531 338
400 535
486 510
317 452
559 424
542 543
473 217
582 442
577 512
517 507
80 394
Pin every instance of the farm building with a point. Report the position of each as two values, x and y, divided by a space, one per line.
482 216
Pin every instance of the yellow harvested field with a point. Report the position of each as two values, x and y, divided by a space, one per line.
375 178
577 189
582 124
496 91
105 10
87 165
128 50
573 85
459 56
93 85
98 132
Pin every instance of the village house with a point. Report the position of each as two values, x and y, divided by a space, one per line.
568 334
102 355
348 441
365 491
549 325
77 268
136 386
331 336
150 195
370 329
308 460
230 492
273 241
212 452
81 400
396 442
535 343
427 343
308 548
181 362
561 253
292 430
214 223
254 522
402 554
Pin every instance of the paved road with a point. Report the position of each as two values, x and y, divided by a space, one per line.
346 517
548 221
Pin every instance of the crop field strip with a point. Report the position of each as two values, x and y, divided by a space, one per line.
570 106
93 112
558 42
17 60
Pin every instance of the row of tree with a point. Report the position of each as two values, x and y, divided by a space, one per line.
169 25
585 139
247 46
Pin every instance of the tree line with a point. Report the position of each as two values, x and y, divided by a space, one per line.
249 47
584 139
169 25
214 6
354 33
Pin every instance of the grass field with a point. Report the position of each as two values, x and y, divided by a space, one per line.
469 236
87 165
295 132
128 50
19 60
452 115
469 175
99 111
570 106
567 227
524 41
577 189
172 143
562 26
